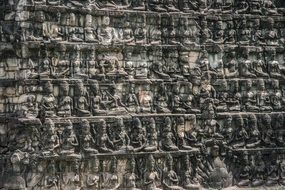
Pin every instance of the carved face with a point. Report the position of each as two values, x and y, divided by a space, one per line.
204 24
85 126
249 84
228 121
267 120
151 164
50 129
239 122
64 87
127 24
72 20
132 90
80 87
121 124
95 87
45 64
215 151
48 87
230 24
58 15
88 21
257 23
275 84
261 84
219 25
270 23
167 121
103 125
106 21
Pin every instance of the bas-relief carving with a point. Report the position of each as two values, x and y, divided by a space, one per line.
174 94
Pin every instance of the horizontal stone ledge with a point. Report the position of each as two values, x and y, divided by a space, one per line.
222 114
264 150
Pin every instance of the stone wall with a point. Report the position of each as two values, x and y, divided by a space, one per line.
136 94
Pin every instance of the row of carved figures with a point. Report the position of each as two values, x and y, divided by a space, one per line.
67 140
180 31
209 170
256 7
94 99
157 64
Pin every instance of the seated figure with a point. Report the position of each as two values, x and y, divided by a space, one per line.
167 140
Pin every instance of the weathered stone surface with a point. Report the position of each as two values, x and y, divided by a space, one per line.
135 94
